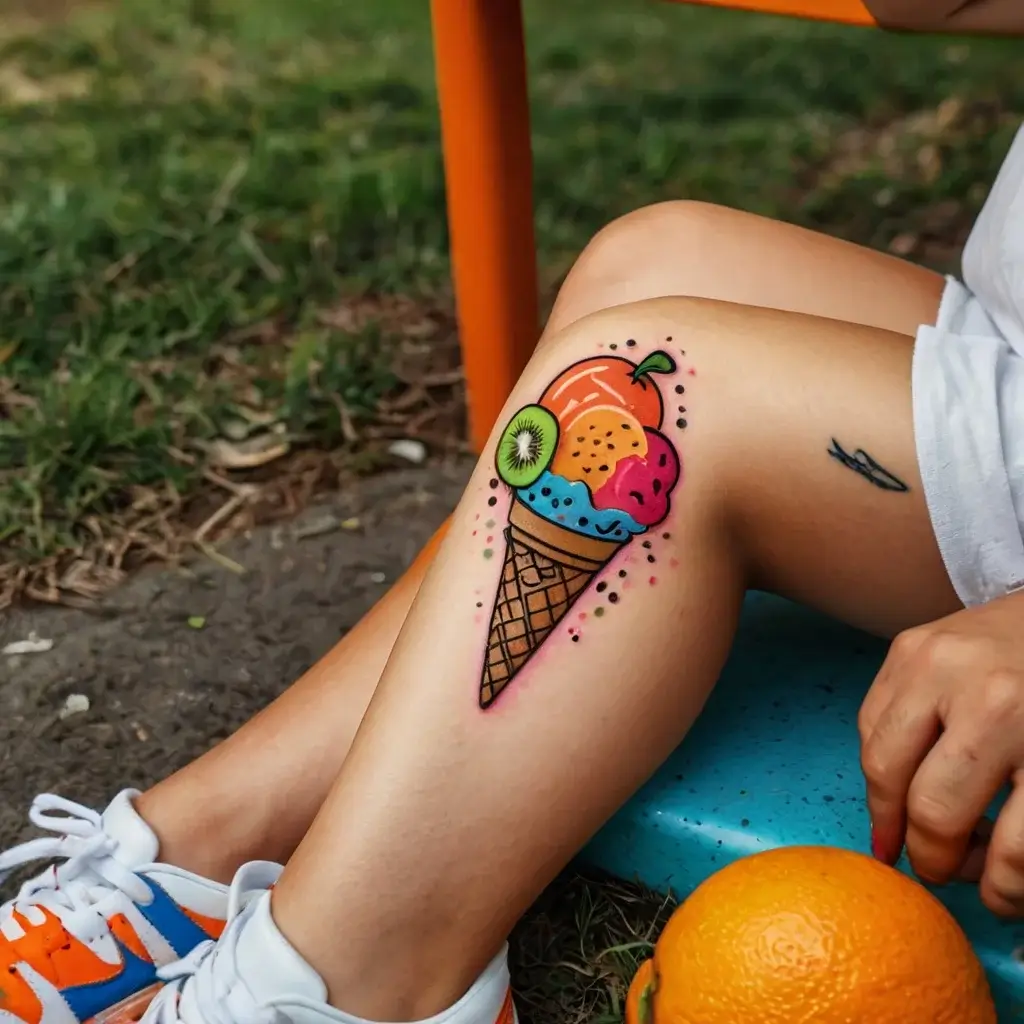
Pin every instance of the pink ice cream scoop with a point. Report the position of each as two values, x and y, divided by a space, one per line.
642 486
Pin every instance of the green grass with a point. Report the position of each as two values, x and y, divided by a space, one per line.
195 192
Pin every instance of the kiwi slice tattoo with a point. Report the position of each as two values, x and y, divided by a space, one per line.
527 446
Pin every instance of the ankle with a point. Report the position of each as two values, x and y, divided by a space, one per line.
202 836
406 973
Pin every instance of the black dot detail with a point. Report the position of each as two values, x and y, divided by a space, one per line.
493 484
584 520
668 339
602 469
575 638
545 491
601 587
567 502
554 503
666 536
630 343
597 440
622 574
647 544
611 447
681 423
651 559
636 444
533 497
580 438
680 389
613 598
608 433
492 501
681 408
613 346
479 604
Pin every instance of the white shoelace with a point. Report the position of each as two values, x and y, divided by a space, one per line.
72 889
205 987
216 993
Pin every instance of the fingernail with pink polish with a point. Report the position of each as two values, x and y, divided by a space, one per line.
885 850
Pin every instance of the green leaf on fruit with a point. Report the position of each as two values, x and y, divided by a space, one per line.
656 362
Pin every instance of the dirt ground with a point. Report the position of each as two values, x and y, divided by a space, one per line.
161 691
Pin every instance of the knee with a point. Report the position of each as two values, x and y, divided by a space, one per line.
658 250
661 224
642 240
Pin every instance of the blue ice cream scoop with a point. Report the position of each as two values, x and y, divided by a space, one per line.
568 503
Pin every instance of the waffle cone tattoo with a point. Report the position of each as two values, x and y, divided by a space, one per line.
589 470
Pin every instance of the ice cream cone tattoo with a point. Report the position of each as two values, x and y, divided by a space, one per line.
589 470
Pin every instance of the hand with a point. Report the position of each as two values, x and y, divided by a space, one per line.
942 729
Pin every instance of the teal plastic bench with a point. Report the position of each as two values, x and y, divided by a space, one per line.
772 761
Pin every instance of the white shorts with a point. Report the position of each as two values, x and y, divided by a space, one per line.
968 387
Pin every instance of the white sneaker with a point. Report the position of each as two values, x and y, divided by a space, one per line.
253 975
83 941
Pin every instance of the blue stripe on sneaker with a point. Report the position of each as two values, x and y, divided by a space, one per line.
88 1000
180 931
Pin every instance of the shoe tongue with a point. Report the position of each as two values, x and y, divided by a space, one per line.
137 843
269 964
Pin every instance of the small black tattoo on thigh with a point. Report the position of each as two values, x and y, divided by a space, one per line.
862 463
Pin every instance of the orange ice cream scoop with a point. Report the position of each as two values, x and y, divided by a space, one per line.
592 445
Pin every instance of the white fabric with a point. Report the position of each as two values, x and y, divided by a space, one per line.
253 975
968 384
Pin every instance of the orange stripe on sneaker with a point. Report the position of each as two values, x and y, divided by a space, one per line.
59 958
56 955
213 926
75 964
17 997
35 946
125 933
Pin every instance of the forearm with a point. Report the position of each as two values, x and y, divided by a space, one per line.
989 16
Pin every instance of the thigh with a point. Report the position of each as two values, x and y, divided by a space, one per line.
712 252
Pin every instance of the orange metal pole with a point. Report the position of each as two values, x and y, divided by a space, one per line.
485 129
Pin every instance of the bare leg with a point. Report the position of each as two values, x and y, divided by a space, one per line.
446 820
670 249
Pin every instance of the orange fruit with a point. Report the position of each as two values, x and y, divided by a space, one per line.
811 933
604 380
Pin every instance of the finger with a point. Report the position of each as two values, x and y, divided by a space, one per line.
886 682
1002 885
973 866
899 742
949 796
878 698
